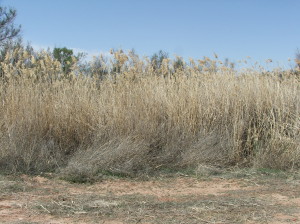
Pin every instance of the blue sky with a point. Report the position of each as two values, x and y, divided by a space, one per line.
235 29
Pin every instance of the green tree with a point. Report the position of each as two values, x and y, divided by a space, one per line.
178 64
8 30
65 57
297 59
9 34
157 59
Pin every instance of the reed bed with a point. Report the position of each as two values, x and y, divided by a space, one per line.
136 119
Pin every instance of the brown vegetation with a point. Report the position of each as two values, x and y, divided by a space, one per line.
133 119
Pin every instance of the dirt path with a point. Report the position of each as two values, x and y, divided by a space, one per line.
262 199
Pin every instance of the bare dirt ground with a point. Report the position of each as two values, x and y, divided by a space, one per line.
263 197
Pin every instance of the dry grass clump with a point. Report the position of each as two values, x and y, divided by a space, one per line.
132 118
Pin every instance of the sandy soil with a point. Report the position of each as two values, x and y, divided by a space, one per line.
38 199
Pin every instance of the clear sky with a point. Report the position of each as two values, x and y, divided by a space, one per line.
235 29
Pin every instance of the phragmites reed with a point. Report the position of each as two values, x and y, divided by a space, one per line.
126 116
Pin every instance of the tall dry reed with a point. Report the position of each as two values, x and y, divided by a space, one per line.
137 119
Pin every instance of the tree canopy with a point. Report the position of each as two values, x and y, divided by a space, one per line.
8 30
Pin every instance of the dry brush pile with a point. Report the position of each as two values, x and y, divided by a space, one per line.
131 118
